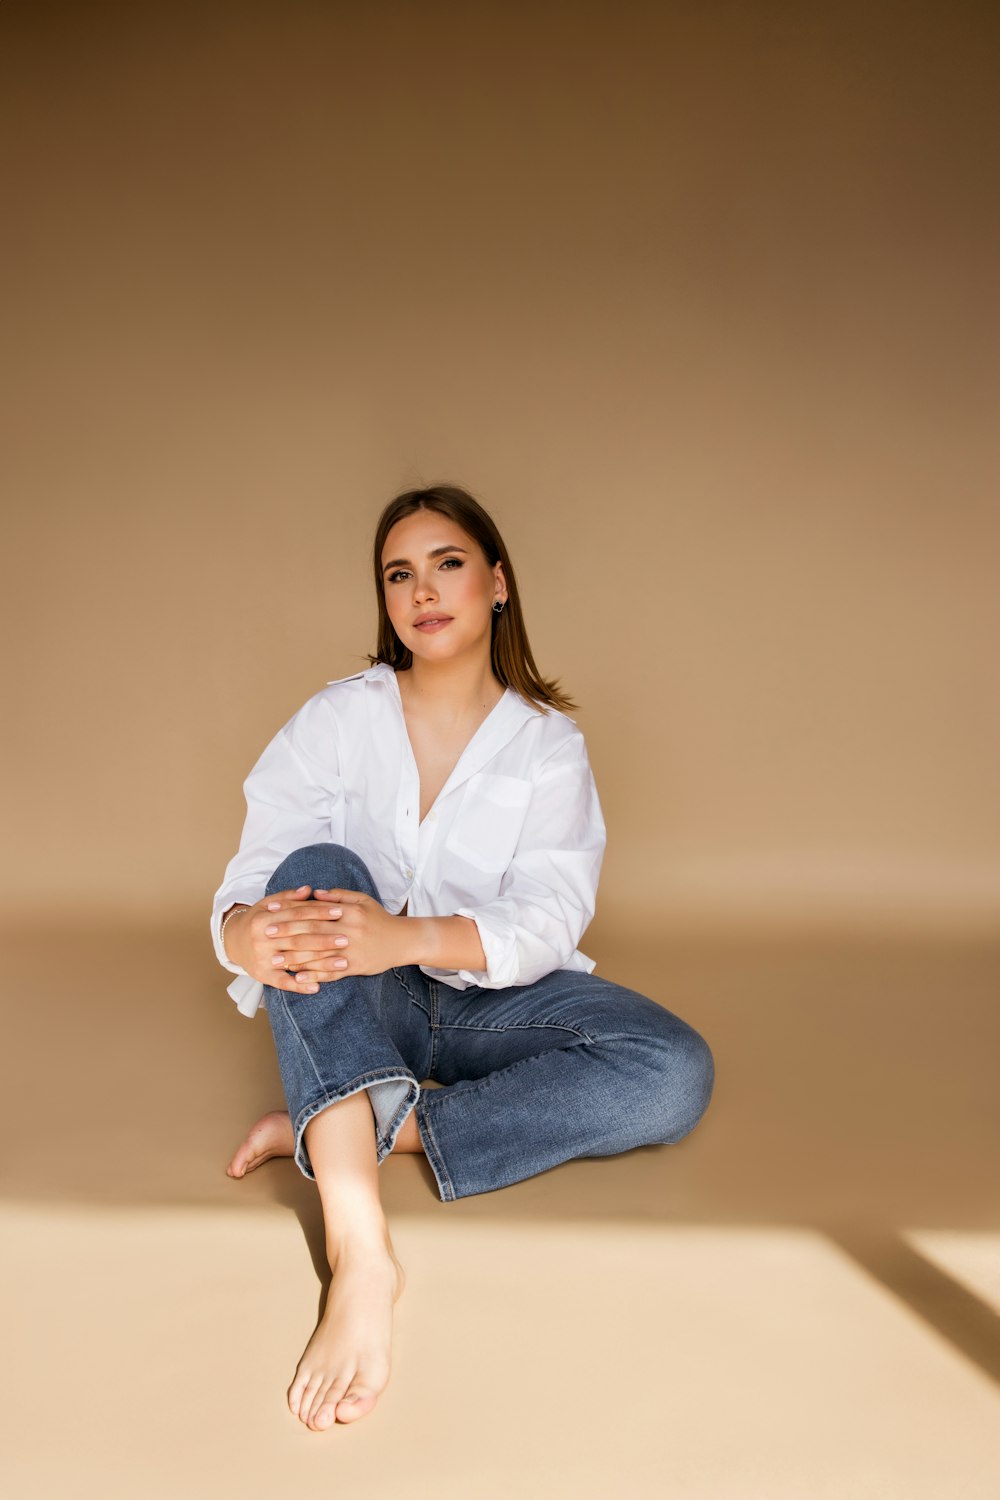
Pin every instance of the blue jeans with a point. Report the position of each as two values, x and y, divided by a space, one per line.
533 1075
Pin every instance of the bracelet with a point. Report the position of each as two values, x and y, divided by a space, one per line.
222 929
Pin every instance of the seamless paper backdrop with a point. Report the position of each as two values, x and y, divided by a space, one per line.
700 301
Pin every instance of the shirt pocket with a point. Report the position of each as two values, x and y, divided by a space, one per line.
489 820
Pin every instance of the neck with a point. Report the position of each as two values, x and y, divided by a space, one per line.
450 691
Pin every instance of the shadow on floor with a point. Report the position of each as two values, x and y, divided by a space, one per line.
855 1094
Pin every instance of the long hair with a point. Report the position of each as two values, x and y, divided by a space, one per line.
510 653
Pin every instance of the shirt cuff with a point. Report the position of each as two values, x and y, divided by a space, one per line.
499 941
222 905
248 994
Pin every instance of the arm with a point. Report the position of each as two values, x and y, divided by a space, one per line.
377 940
444 943
294 797
548 894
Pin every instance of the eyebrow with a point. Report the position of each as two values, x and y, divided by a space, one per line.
398 562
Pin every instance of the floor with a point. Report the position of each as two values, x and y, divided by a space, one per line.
799 1301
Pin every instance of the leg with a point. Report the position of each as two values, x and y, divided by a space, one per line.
346 1364
272 1135
535 1075
346 1054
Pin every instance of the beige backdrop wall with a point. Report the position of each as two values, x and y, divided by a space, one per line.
699 299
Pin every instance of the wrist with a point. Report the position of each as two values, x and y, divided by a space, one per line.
445 943
231 918
416 941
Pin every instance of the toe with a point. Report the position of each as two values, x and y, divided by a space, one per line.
325 1414
356 1402
238 1165
310 1402
298 1403
323 1391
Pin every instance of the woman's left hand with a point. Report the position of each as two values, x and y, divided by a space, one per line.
374 939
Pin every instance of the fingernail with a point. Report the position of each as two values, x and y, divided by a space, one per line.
274 906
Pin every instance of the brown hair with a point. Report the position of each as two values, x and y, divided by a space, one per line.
510 653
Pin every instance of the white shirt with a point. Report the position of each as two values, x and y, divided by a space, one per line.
515 838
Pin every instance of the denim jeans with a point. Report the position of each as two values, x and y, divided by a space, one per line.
533 1075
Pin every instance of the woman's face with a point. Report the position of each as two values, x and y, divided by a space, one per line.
431 567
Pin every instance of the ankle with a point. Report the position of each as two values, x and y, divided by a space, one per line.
368 1243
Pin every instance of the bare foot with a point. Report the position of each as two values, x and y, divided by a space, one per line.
347 1361
271 1136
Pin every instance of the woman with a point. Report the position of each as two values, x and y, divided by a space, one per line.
420 857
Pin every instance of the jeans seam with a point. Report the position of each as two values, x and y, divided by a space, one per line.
399 975
583 1036
475 1086
434 1023
438 1160
623 1036
302 1041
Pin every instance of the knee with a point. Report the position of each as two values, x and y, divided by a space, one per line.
325 866
687 1079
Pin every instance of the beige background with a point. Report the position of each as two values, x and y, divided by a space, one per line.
700 300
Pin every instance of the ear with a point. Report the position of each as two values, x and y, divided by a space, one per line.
501 580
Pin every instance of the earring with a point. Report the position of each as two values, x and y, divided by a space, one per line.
498 606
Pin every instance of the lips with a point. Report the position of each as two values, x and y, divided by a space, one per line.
432 620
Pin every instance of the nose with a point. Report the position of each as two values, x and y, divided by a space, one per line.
424 590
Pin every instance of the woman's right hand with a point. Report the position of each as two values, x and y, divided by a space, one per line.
247 943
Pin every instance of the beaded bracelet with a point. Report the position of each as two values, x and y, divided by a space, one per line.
222 929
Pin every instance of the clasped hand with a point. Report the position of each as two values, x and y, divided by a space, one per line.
296 942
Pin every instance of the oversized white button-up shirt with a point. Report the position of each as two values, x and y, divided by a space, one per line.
514 840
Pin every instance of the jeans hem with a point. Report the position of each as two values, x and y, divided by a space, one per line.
383 1144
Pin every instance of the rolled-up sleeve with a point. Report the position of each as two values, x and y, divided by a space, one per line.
294 796
548 894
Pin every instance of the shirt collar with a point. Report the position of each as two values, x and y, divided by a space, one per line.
497 730
512 709
523 709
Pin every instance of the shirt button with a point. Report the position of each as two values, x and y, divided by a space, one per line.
408 874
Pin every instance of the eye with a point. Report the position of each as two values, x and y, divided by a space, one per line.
402 572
